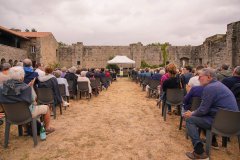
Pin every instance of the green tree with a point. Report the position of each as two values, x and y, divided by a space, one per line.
164 53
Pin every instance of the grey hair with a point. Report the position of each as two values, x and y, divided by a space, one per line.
162 72
237 70
57 73
27 62
209 72
16 73
72 69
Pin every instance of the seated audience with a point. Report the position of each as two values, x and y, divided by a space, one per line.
15 90
215 96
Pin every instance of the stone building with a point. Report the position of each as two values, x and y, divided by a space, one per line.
215 50
38 46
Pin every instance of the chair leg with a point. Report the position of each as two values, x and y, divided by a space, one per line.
34 131
165 112
163 105
239 143
7 131
20 130
224 141
60 109
54 111
181 121
208 142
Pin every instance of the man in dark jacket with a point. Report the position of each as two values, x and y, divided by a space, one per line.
215 96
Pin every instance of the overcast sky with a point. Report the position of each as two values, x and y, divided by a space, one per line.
121 22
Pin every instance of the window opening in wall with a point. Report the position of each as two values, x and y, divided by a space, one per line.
10 62
33 49
3 60
78 62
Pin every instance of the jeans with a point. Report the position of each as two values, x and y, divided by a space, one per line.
192 124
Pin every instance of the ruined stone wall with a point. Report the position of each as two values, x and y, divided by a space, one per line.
233 42
152 55
12 53
214 51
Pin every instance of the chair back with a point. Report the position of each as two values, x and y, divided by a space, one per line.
153 84
70 85
45 96
94 84
196 101
226 123
82 86
17 113
175 96
62 89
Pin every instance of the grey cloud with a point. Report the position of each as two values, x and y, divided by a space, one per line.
121 22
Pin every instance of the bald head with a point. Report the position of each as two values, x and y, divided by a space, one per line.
27 62
237 71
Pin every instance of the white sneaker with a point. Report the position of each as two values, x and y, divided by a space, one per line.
65 103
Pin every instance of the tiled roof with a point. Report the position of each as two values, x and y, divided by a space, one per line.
12 32
35 34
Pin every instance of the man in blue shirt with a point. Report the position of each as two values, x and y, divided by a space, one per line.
215 96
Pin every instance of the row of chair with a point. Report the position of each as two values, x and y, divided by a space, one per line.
225 123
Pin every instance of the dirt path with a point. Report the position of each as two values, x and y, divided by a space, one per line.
121 123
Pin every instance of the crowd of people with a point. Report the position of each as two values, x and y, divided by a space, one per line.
217 89
21 82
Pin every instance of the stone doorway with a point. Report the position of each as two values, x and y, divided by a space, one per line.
184 61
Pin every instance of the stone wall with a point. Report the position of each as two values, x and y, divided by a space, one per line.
12 53
215 50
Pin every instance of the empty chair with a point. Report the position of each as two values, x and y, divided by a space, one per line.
83 89
19 114
45 96
174 97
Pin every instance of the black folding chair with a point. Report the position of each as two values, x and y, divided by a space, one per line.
83 88
95 88
174 97
62 90
226 124
45 96
196 101
153 84
19 114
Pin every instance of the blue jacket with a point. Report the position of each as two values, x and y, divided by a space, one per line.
195 91
215 96
29 74
156 76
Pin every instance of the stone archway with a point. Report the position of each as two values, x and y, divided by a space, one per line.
184 61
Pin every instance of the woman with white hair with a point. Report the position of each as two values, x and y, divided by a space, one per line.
15 90
83 78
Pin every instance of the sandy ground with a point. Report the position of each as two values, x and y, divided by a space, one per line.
121 123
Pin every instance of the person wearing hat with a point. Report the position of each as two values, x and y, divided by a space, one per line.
4 73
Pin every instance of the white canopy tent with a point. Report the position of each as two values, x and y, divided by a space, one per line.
121 60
